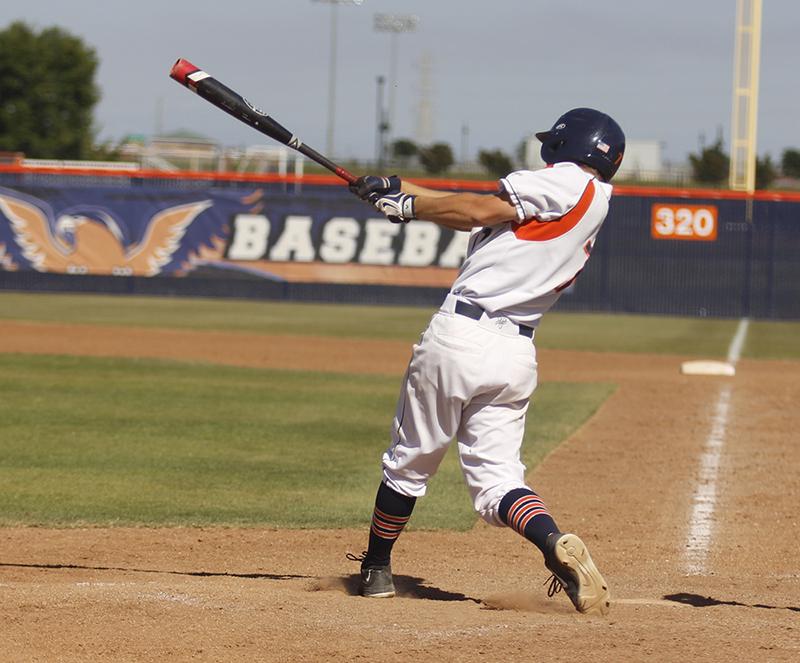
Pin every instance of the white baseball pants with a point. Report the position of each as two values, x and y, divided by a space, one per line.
469 380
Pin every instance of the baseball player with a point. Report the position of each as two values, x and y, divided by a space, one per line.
474 369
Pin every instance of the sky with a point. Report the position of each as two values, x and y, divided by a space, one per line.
501 69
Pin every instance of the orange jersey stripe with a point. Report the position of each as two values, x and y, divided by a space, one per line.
540 231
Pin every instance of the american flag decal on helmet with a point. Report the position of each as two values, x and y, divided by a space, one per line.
603 147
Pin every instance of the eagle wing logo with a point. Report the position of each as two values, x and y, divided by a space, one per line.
45 251
163 237
92 243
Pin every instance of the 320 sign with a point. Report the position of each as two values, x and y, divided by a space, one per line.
687 222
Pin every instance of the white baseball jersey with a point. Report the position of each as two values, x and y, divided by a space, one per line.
520 268
471 378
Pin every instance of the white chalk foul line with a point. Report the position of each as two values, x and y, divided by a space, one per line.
704 502
735 349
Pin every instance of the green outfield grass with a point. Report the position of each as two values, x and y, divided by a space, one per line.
773 340
706 337
120 441
701 337
128 442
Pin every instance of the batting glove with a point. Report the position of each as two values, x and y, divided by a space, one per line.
398 207
370 185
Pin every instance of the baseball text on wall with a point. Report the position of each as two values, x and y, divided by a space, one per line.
150 231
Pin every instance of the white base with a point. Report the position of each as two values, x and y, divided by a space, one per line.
707 367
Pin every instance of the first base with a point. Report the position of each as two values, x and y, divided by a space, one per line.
707 367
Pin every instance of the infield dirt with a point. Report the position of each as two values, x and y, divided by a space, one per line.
625 482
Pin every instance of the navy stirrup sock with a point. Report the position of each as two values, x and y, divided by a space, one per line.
524 512
392 511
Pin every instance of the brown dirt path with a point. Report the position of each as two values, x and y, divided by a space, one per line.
624 481
236 349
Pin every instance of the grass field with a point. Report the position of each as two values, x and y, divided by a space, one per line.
113 441
707 337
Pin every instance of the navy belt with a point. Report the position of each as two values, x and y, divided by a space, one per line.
475 312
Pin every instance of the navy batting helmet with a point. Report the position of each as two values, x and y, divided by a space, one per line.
586 136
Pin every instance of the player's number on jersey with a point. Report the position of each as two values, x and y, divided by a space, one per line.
688 222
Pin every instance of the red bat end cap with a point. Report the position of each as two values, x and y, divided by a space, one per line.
181 69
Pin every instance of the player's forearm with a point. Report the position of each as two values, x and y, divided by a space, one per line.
417 190
459 211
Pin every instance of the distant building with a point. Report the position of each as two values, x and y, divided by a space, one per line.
178 150
642 161
184 150
186 142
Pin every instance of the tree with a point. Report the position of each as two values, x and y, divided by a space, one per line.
790 163
496 162
711 166
766 173
436 158
47 93
403 150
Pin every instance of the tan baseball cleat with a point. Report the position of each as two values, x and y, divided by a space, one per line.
573 570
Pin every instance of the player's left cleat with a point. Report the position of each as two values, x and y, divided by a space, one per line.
376 579
376 582
573 570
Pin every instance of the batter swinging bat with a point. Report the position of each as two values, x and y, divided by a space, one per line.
223 97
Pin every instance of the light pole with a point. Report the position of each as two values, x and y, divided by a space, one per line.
394 24
381 125
464 143
329 144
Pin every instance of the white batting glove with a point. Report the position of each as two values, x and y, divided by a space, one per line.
397 207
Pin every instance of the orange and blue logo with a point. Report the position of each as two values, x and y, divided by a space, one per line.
125 235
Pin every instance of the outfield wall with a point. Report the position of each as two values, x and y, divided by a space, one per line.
666 251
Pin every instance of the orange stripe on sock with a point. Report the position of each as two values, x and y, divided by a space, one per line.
523 510
386 526
387 517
